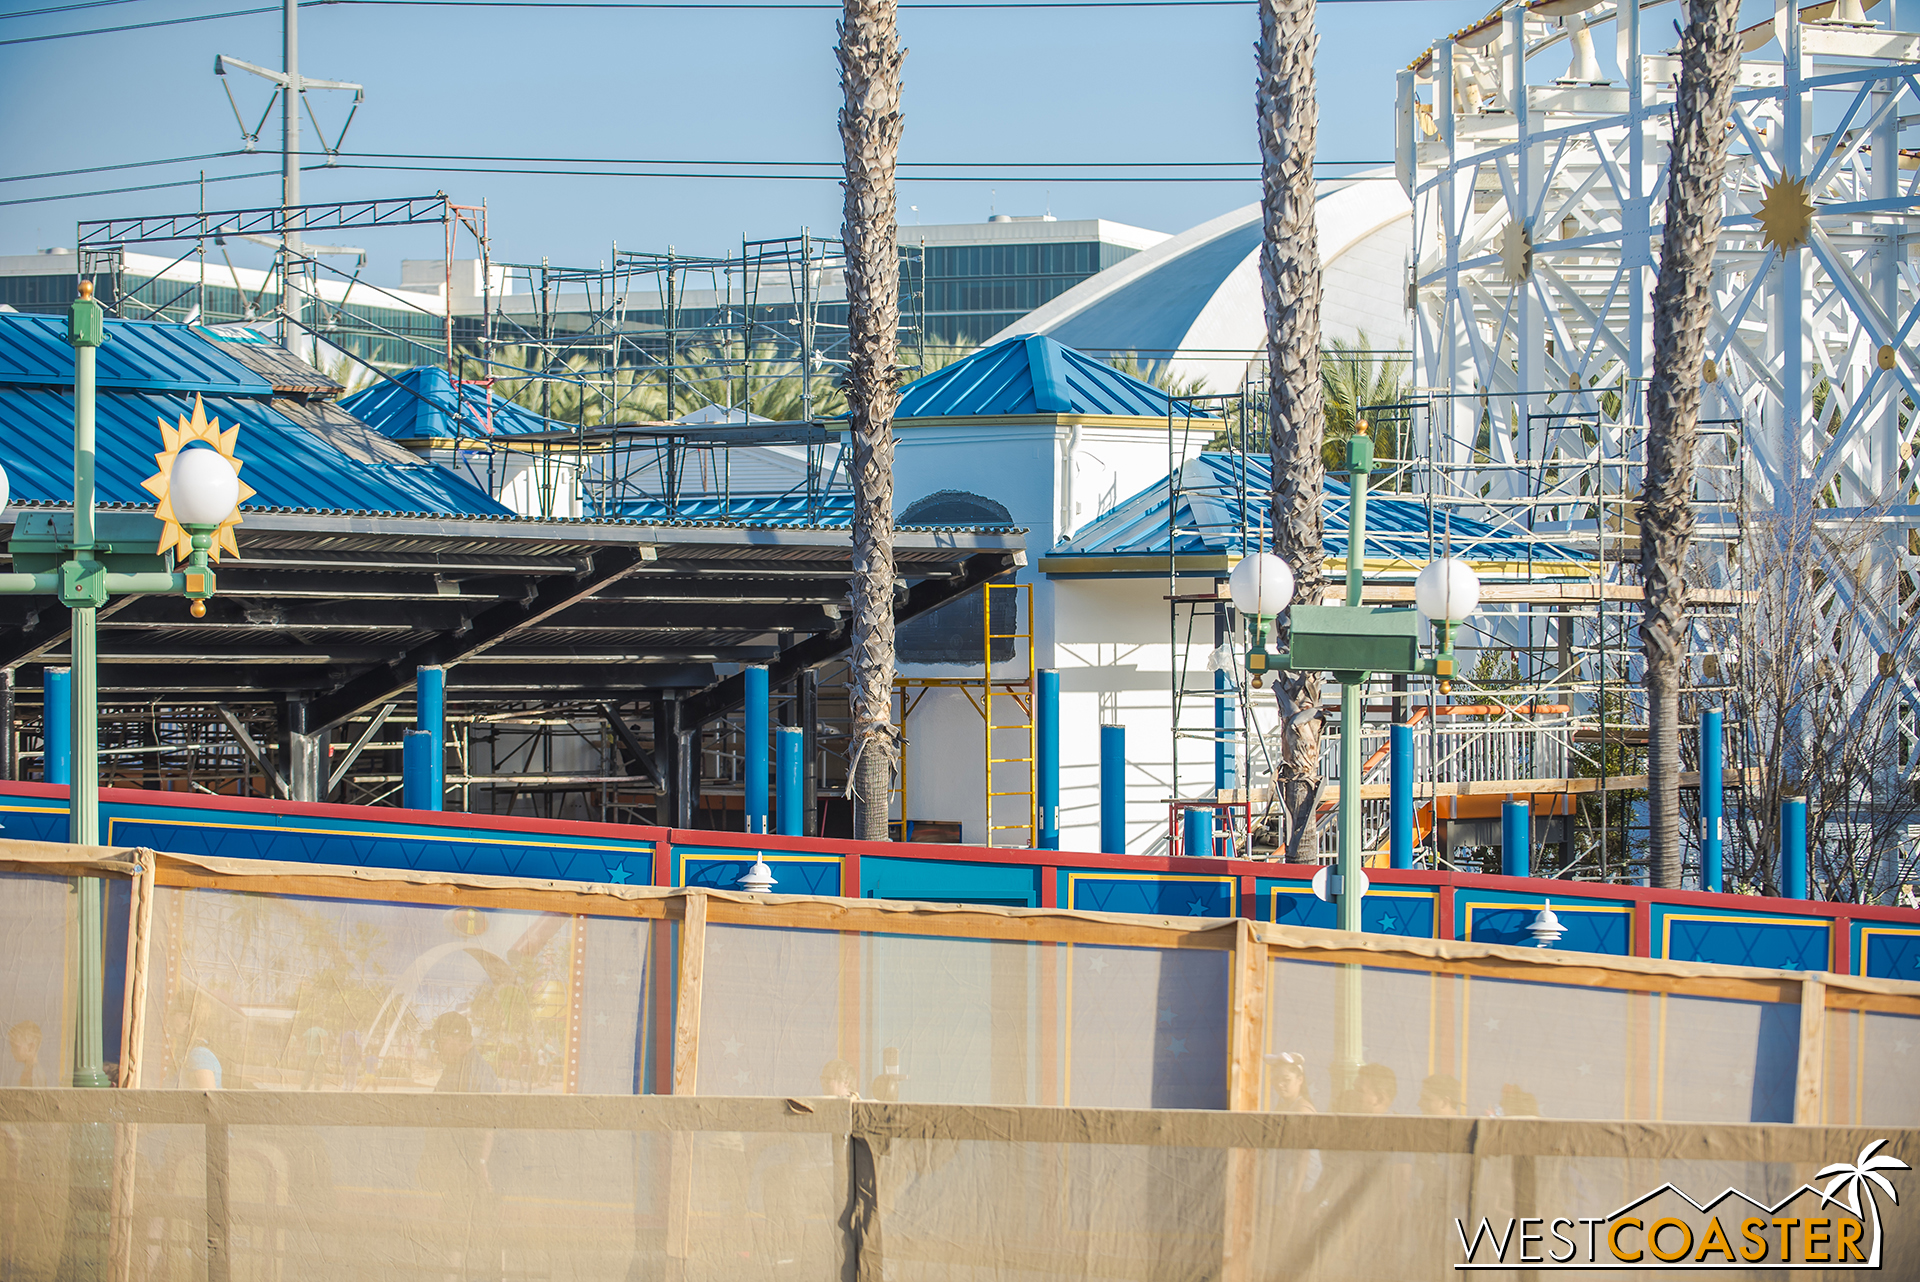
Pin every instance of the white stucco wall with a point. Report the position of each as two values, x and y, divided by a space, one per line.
1052 479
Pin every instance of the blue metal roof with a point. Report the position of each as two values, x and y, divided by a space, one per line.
783 511
289 466
1033 374
1209 519
137 354
422 404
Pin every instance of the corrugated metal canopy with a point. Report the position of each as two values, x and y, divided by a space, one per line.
148 355
1033 374
288 465
422 404
1210 518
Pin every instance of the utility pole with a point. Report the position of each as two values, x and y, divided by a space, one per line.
291 88
290 97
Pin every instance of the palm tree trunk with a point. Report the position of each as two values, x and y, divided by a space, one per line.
870 127
1682 303
1290 286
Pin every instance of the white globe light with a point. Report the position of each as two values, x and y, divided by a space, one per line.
204 487
1447 589
5 492
1261 584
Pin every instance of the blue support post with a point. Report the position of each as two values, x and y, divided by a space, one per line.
1196 835
416 772
56 685
790 743
1516 839
1793 848
430 712
1710 801
1400 794
756 754
1224 733
1113 790
1047 752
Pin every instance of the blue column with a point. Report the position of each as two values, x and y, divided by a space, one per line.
56 685
430 711
1711 800
1400 794
1196 834
1516 839
1113 790
790 743
1793 848
756 754
1047 754
1223 733
416 772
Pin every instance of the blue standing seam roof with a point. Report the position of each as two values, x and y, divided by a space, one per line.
422 404
148 355
289 466
1034 374
1209 520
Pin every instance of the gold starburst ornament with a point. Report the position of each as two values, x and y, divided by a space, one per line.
1516 252
1786 214
203 488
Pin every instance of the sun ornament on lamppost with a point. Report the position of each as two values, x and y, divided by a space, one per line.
200 492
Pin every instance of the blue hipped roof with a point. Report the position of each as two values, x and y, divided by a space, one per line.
156 371
1209 517
422 404
149 355
1033 374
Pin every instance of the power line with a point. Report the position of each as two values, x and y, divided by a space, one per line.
140 26
835 164
773 177
718 168
116 191
687 6
131 164
62 8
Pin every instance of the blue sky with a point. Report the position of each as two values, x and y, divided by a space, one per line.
997 87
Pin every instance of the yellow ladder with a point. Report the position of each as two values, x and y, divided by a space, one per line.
1007 708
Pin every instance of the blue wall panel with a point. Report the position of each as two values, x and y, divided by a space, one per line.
32 819
1592 926
722 870
940 882
1169 896
1384 912
1776 943
1887 952
325 840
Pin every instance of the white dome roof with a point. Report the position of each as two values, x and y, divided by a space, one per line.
1194 299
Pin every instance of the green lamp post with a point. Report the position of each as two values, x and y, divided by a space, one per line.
1351 643
200 492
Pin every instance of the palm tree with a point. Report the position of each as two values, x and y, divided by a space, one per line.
1353 377
1682 302
1160 374
1290 287
870 127
1860 1175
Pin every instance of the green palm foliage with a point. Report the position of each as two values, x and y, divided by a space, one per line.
1354 379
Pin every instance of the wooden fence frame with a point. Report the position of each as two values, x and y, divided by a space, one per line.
1253 946
859 1130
